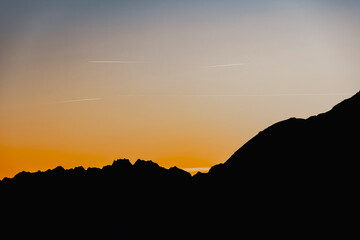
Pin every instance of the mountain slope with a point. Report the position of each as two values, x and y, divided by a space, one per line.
297 177
294 147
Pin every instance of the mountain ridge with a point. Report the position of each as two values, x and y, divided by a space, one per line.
341 121
298 176
345 107
119 163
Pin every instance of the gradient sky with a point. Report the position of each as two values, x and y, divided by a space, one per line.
182 83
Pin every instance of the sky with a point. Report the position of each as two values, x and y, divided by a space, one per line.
182 83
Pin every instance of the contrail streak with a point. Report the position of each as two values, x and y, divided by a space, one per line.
293 94
113 62
275 95
236 95
225 65
207 95
78 100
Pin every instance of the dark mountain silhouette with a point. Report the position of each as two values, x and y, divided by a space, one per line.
299 177
316 143
120 200
302 151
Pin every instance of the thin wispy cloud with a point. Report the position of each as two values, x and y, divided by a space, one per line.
78 100
206 95
236 95
113 62
225 65
293 94
278 95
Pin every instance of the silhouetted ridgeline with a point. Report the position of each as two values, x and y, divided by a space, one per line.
299 177
120 200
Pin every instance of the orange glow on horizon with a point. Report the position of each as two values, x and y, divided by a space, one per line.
32 160
181 83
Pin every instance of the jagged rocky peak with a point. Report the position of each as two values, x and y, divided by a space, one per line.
145 163
122 163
